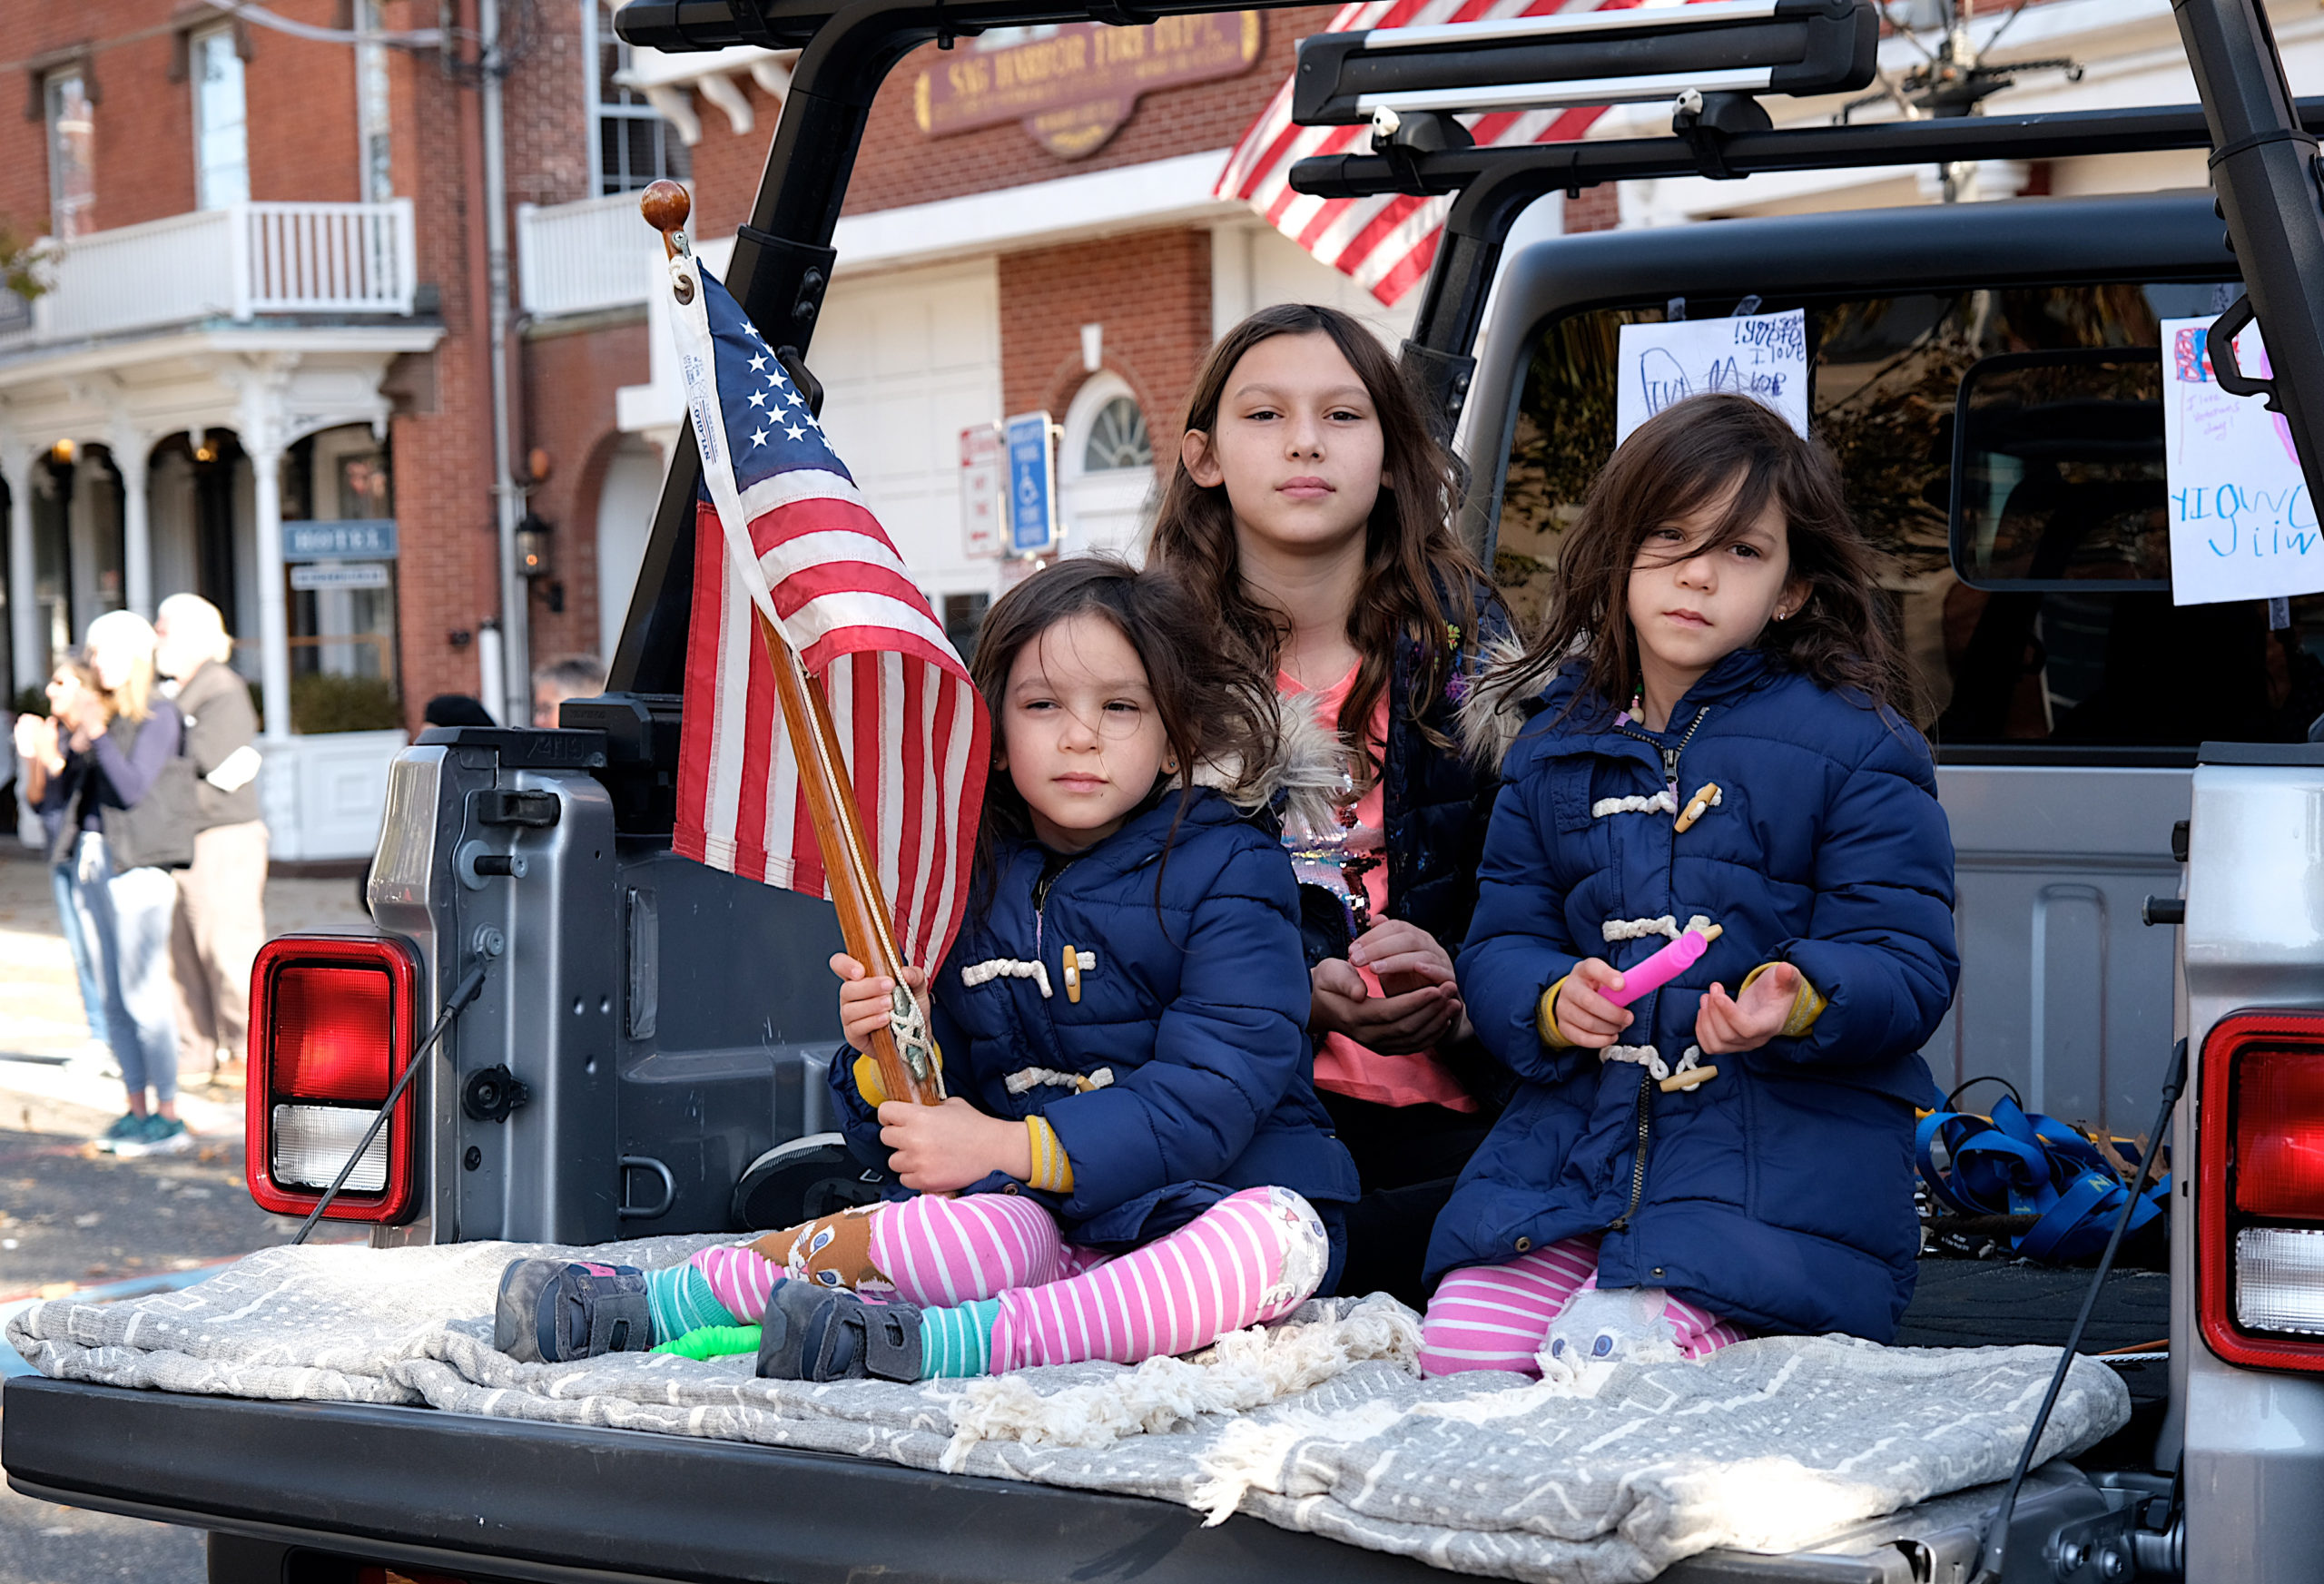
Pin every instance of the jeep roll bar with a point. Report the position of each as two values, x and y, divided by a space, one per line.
2265 171
782 258
1493 186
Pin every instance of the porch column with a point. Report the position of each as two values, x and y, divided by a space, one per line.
261 420
273 615
129 460
25 647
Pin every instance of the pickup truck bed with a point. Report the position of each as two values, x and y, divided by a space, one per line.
278 1483
444 1492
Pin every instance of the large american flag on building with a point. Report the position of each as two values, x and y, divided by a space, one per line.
782 530
1385 244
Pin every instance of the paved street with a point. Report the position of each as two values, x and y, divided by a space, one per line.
73 1218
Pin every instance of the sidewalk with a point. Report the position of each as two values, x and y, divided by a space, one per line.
48 1082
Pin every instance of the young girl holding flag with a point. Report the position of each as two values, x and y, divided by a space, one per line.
1133 1160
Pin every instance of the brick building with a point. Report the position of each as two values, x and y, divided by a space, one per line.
267 300
1050 243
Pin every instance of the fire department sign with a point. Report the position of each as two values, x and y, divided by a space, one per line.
1073 89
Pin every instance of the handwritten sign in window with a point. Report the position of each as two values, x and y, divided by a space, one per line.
2243 525
1760 354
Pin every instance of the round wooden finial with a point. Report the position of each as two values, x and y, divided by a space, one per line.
665 205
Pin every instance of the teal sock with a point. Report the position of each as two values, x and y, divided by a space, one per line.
682 1301
957 1341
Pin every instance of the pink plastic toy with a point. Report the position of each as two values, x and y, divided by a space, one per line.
1663 967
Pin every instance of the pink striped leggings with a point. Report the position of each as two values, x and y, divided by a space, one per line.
1252 1257
1496 1317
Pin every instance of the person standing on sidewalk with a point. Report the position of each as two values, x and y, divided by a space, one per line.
120 797
35 744
222 897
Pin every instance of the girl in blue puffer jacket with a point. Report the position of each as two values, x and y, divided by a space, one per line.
1717 743
1133 1160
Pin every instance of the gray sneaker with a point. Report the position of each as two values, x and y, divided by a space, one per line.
160 1136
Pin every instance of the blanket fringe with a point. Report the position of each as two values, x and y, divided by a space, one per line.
1241 1370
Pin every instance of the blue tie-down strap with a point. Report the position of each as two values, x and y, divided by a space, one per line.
2028 1165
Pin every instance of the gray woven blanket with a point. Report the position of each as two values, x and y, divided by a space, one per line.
1317 1424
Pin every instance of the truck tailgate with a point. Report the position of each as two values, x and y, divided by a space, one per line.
455 1492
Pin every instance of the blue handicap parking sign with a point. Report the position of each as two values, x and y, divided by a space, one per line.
1032 485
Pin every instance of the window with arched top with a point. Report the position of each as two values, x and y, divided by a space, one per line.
1118 438
1108 461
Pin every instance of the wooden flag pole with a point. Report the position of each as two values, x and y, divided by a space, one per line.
904 1051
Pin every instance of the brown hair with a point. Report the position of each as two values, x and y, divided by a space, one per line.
1676 464
81 672
1418 580
1213 706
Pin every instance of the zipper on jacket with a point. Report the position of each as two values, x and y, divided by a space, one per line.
1646 1079
1041 884
1637 1165
1669 755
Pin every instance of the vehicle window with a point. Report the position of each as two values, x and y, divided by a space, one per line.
2081 666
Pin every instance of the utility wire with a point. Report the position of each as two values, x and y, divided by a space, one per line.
424 38
454 1005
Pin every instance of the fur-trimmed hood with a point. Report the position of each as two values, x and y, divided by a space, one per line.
1499 700
1307 770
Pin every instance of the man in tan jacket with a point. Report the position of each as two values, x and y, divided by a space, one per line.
221 907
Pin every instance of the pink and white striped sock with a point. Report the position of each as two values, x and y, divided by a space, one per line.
1254 1257
741 1277
1496 1317
941 1250
937 1251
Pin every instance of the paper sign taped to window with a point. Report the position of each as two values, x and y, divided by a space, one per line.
1760 354
2243 525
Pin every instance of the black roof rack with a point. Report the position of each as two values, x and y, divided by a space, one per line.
782 256
1590 57
1492 186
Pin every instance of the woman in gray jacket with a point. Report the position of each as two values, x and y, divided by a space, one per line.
222 897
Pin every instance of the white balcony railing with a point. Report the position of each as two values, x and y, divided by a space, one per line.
584 257
236 262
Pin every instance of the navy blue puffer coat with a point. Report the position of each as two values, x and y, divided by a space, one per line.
1195 1007
1780 1192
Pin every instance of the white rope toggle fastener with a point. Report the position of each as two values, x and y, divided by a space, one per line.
1645 1056
1033 1077
973 974
1621 930
1661 802
1707 798
1690 1075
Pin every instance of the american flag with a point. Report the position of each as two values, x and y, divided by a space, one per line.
780 527
1385 244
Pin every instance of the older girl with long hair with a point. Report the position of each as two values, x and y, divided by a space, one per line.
1311 509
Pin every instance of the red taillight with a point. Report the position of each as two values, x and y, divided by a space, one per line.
333 1020
331 1032
2280 1132
2260 1191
